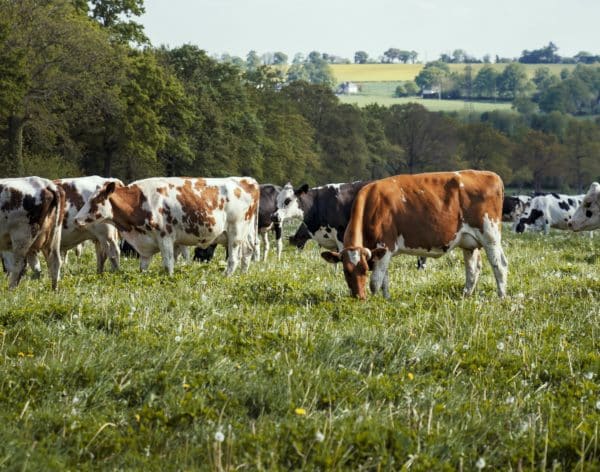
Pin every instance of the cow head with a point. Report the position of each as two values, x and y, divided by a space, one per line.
356 262
289 203
98 207
587 215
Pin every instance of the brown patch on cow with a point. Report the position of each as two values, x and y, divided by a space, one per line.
162 190
128 212
15 201
237 192
254 191
197 206
169 228
72 195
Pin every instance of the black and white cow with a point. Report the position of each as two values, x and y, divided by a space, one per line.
514 207
268 204
587 215
325 212
552 210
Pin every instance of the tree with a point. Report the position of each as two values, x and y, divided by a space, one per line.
583 144
69 62
280 58
391 54
428 139
513 81
115 16
484 84
361 57
545 55
253 61
540 154
482 147
433 76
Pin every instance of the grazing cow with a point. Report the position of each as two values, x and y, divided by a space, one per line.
325 212
105 236
268 204
587 215
31 213
161 213
300 237
514 207
426 215
547 211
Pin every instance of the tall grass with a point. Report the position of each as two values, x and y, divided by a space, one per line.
279 369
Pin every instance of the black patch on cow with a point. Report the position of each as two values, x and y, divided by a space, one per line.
204 254
571 202
588 213
555 195
563 206
531 219
328 229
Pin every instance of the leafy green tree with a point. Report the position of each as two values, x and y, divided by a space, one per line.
428 139
583 144
68 63
116 16
253 61
279 58
384 158
361 57
513 81
484 148
545 55
485 82
540 154
391 54
433 76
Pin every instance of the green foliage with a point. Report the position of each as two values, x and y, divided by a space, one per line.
279 369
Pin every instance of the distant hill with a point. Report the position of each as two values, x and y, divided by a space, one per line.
404 72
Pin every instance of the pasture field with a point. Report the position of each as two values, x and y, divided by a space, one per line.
279 369
403 72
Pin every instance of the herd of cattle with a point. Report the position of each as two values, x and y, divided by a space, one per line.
361 224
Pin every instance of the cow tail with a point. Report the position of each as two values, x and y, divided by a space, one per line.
255 229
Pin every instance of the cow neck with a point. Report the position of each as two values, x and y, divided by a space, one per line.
353 237
127 208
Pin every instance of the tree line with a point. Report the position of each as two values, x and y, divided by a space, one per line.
82 92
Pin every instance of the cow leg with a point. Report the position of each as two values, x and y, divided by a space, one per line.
472 269
184 251
421 261
265 238
493 250
233 249
34 262
379 277
114 253
54 262
17 269
278 240
100 256
167 251
145 262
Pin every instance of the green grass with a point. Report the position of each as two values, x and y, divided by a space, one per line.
131 371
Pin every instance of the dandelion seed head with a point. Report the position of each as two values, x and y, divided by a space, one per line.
219 436
480 464
319 436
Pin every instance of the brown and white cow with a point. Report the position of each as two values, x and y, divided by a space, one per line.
105 236
161 213
31 213
425 215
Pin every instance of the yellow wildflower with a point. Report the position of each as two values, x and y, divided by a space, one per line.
411 376
300 411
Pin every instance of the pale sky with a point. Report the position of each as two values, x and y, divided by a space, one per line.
342 27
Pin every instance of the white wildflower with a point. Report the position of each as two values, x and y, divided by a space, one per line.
319 436
510 400
598 405
589 375
219 436
500 346
480 464
177 338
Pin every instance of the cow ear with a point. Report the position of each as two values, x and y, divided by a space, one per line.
331 257
301 190
110 187
378 253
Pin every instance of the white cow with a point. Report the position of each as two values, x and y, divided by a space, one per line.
552 210
587 215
